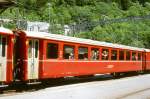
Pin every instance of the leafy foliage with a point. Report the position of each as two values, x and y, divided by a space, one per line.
134 33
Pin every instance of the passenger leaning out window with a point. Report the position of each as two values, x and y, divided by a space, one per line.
71 56
95 54
105 55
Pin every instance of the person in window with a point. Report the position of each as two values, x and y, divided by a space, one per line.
94 55
134 57
85 56
105 55
71 56
97 55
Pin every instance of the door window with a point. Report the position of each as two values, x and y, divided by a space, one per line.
2 46
36 49
30 49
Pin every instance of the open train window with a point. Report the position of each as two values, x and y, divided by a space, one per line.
3 46
105 54
52 51
128 55
68 52
83 53
94 54
114 55
121 55
139 56
134 57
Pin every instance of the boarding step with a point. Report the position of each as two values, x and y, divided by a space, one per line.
33 82
2 84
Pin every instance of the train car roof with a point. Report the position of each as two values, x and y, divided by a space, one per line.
5 30
44 35
147 50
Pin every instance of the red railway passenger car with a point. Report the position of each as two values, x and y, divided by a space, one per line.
6 55
44 55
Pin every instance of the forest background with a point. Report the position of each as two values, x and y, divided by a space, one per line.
96 19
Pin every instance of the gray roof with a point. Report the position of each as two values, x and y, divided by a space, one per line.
44 35
5 30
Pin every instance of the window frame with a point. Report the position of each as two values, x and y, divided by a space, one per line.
113 49
129 54
74 46
140 56
52 42
98 48
83 46
124 54
135 58
105 48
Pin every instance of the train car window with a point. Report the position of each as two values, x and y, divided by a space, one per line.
36 48
114 55
139 56
68 52
3 46
52 51
94 54
121 55
30 49
105 54
134 57
83 53
128 55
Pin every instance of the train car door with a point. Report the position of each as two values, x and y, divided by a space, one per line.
33 59
3 59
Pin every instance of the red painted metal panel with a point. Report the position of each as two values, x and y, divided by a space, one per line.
8 34
9 67
41 56
148 61
61 68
